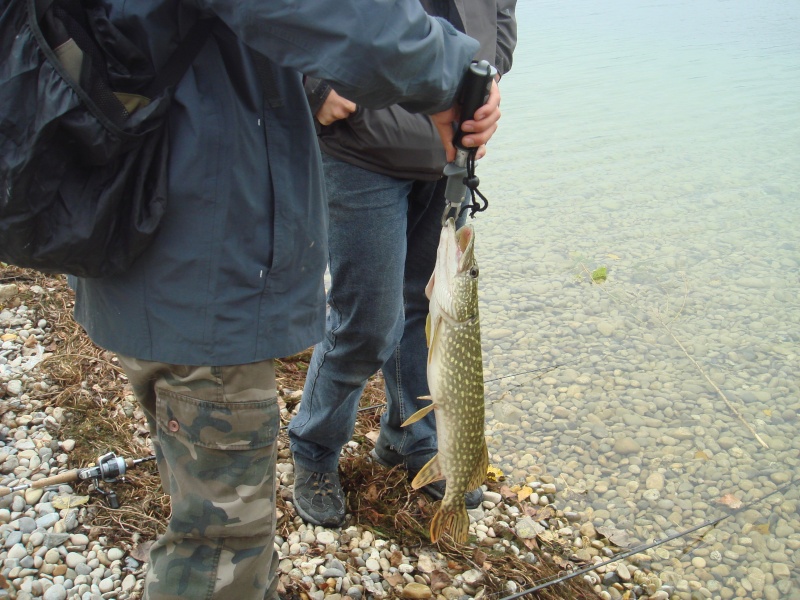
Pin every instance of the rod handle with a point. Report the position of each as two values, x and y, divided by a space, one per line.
475 91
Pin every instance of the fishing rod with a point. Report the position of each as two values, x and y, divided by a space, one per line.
641 548
110 468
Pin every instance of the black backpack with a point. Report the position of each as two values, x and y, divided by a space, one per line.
83 137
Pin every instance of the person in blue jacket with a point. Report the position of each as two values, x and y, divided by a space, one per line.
234 278
383 173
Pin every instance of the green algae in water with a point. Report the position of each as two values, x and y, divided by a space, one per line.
599 275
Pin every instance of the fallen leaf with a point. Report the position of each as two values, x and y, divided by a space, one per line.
394 578
730 501
762 528
700 455
530 544
524 493
599 275
440 580
506 492
547 536
62 502
615 536
561 561
767 411
494 474
613 257
539 513
372 494
141 552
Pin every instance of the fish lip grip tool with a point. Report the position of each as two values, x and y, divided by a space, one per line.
474 93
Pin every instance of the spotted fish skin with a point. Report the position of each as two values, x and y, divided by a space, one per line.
455 380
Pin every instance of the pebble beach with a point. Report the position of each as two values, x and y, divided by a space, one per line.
50 551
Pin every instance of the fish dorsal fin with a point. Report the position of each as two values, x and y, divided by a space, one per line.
478 476
420 414
428 474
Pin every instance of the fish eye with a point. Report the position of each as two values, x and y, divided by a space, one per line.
473 272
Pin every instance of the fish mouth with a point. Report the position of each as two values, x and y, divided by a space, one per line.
465 245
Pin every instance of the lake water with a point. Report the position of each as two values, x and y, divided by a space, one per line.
660 140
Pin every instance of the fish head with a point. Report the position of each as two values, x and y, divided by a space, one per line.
454 284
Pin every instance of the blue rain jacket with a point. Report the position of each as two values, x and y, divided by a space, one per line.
235 273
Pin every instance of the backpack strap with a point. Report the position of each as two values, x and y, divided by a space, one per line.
182 58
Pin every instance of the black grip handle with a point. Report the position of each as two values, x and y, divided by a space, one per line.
475 90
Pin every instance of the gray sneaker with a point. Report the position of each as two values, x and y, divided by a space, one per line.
318 497
434 490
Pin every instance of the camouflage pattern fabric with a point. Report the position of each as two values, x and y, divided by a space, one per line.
214 431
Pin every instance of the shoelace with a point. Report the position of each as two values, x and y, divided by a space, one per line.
324 484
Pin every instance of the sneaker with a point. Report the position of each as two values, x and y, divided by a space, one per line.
318 497
435 490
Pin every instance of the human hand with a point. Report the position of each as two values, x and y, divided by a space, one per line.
334 108
479 129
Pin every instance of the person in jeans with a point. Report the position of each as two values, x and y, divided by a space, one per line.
383 175
234 277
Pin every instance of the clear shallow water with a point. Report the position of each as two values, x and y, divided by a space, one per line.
662 141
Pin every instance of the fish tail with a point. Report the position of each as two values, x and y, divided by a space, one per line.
452 519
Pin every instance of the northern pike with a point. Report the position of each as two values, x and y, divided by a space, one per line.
455 380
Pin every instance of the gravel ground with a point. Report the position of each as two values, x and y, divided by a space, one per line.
48 548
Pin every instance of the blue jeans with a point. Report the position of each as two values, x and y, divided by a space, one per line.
383 235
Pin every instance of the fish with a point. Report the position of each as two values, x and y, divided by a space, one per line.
455 381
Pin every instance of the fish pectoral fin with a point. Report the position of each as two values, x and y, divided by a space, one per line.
420 414
452 519
478 476
428 330
428 474
431 329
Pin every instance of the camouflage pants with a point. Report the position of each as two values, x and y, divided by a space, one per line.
214 431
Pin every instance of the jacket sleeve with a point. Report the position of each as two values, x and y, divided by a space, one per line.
506 34
374 52
317 91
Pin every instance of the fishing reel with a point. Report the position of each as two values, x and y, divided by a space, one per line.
110 468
